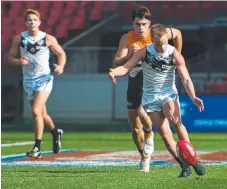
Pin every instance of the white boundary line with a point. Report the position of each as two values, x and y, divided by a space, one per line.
18 144
10 161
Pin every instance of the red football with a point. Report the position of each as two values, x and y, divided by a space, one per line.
186 152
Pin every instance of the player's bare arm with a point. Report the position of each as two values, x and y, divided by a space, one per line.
122 52
14 53
186 79
122 70
57 49
177 38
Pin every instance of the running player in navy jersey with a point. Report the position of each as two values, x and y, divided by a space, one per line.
31 50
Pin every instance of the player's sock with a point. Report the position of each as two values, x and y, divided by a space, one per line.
37 143
147 133
54 133
141 152
181 163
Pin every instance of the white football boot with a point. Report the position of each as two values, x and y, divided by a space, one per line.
145 164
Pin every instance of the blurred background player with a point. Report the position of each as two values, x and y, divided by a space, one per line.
31 49
128 45
160 97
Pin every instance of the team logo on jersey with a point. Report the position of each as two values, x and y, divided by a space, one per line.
150 57
40 42
130 104
25 42
32 50
164 60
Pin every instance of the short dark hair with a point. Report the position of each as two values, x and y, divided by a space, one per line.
141 12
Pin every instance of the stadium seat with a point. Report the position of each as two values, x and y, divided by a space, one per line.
19 20
165 15
186 12
44 9
206 11
49 30
45 5
127 10
53 18
64 22
3 11
32 5
44 14
6 21
77 23
15 12
19 28
96 11
110 6
7 35
84 3
58 6
220 8
70 9
17 4
61 32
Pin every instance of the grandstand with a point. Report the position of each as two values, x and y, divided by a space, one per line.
90 30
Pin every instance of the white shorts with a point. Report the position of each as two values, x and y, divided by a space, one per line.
154 103
42 83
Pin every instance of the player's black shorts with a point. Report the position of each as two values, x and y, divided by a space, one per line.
134 92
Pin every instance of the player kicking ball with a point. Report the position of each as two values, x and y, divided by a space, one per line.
160 96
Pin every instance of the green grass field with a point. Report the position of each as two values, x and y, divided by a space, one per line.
162 177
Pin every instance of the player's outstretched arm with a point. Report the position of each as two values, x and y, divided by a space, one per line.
14 53
186 79
176 35
122 70
57 49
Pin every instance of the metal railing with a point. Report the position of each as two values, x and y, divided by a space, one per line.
88 60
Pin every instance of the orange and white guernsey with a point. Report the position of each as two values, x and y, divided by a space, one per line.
142 42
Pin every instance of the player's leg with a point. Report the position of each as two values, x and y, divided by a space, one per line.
167 136
56 133
162 126
136 128
171 110
148 134
37 104
134 101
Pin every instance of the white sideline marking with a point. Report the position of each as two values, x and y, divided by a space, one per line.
18 144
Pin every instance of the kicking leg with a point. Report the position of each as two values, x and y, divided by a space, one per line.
171 110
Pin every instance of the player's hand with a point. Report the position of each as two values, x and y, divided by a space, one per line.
24 60
58 69
111 76
132 49
199 103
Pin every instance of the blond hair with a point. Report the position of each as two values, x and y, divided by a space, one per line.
31 11
158 31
